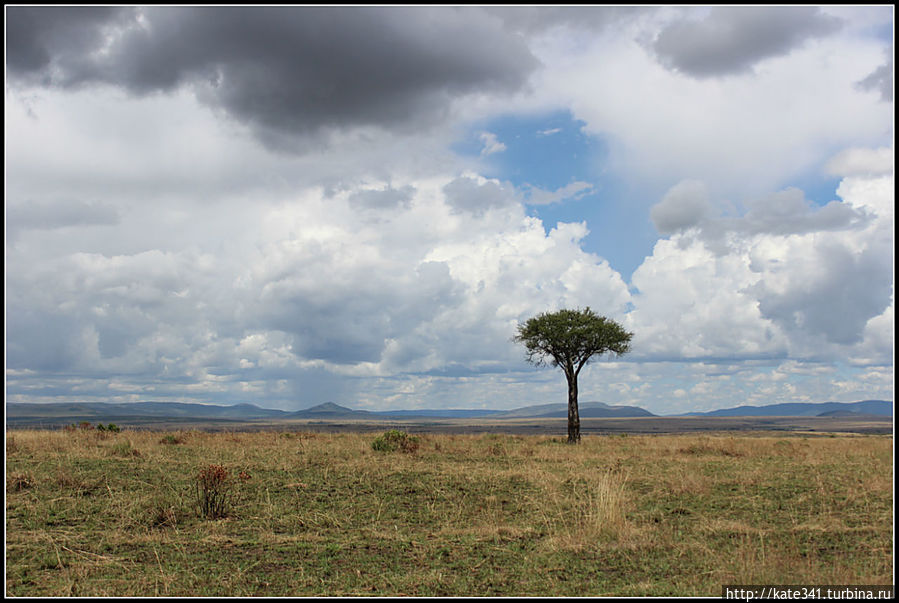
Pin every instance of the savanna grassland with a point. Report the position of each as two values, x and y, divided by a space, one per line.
93 513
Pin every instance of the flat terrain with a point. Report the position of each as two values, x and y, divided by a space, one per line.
313 514
611 426
532 426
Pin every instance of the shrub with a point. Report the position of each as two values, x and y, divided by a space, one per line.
214 492
170 439
113 428
124 449
395 440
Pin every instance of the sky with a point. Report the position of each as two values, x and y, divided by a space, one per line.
287 206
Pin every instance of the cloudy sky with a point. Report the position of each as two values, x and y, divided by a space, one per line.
292 205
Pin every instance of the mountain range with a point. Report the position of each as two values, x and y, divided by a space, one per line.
880 408
21 413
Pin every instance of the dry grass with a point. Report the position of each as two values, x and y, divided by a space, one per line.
325 514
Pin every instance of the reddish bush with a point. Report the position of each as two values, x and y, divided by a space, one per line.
214 492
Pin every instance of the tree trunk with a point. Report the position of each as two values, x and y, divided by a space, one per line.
574 419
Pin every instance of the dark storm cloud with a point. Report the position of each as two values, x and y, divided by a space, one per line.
733 39
39 39
535 19
283 71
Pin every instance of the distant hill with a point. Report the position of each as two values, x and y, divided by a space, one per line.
144 412
329 411
59 413
585 410
880 408
86 411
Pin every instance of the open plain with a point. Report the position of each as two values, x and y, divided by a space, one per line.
609 426
308 513
867 424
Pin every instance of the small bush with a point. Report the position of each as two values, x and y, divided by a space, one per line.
170 439
215 492
124 449
395 440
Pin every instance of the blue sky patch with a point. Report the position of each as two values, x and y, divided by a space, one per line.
551 151
547 151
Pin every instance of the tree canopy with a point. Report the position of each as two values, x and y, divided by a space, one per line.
570 339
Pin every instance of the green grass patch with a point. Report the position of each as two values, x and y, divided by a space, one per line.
118 514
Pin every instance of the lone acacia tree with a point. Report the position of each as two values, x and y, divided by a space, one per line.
569 339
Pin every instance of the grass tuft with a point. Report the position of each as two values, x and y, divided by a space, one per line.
17 482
